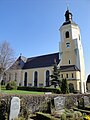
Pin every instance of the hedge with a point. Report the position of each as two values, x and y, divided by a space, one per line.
40 89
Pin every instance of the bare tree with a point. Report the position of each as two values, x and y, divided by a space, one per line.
6 57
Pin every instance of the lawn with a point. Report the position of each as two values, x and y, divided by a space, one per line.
20 92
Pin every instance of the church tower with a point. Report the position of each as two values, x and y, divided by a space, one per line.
71 54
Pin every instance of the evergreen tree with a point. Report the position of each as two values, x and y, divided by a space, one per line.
64 86
55 77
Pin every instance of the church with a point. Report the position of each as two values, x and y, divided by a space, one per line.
35 71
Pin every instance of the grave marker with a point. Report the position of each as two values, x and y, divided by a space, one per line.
14 108
86 101
59 103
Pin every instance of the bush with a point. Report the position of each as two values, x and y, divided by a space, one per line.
63 116
3 109
45 107
40 89
11 85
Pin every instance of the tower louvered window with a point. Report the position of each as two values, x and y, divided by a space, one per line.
67 34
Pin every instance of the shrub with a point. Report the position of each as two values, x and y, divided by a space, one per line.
2 82
63 116
40 89
87 117
64 86
45 107
3 109
20 118
11 85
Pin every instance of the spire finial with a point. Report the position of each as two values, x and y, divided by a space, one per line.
20 54
67 4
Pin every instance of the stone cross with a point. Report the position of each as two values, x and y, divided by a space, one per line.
14 108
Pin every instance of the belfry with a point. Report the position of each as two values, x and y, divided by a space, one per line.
71 54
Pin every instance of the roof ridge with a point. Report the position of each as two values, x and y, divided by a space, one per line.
44 55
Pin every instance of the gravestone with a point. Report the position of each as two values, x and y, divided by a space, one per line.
14 108
59 103
86 101
81 104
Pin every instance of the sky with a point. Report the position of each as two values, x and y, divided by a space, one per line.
32 26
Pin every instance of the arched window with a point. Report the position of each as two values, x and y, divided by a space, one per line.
9 76
15 76
69 62
25 79
35 78
71 88
47 78
67 34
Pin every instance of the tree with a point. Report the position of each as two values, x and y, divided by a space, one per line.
55 77
64 86
6 57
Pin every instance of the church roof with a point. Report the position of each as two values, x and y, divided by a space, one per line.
69 68
41 61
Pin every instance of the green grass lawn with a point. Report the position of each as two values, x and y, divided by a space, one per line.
20 92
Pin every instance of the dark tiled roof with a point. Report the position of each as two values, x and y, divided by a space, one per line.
68 68
41 61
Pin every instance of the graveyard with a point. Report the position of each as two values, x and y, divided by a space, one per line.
44 106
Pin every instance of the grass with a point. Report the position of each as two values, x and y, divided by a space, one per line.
20 92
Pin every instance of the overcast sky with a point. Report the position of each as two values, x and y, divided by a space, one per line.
32 26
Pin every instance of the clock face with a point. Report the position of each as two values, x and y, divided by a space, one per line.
68 45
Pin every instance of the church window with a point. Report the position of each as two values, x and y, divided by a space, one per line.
67 34
9 76
66 75
15 76
61 75
47 78
35 78
25 79
69 61
68 45
72 75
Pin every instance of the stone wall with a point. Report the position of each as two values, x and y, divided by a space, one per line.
32 102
